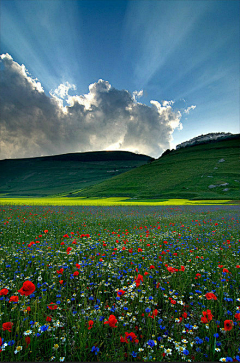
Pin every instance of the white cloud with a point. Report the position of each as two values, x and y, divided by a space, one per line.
189 108
34 124
62 90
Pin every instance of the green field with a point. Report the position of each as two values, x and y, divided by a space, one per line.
63 174
186 173
191 173
119 283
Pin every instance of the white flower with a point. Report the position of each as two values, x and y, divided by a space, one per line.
18 349
62 359
27 332
168 351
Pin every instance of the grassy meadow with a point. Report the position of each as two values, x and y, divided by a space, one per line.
119 283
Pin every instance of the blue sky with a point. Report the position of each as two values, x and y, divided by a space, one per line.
176 50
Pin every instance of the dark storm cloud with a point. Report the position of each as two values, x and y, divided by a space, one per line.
34 124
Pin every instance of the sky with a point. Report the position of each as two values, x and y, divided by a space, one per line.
139 75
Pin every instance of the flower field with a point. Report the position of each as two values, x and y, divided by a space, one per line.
133 283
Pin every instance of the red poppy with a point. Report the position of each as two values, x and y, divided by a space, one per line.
68 250
155 312
90 324
4 292
76 273
211 296
7 326
226 270
182 268
207 316
237 316
77 265
139 250
129 337
152 267
228 325
27 340
14 299
111 321
139 278
48 318
120 292
27 289
204 320
52 306
61 281
46 231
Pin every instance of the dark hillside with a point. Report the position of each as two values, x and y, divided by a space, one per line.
64 173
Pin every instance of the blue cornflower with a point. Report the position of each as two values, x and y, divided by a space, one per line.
11 342
101 318
218 344
150 298
185 351
91 298
238 358
44 328
229 359
95 350
125 308
148 310
207 339
159 338
134 354
198 340
216 335
151 343
96 307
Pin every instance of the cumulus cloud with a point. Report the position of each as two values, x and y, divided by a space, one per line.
62 90
33 124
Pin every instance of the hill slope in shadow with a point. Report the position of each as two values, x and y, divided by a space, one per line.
64 174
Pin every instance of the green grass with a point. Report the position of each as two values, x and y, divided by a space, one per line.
186 173
63 174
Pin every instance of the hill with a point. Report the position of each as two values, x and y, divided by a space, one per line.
203 171
59 174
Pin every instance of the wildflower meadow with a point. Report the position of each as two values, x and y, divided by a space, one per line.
125 283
